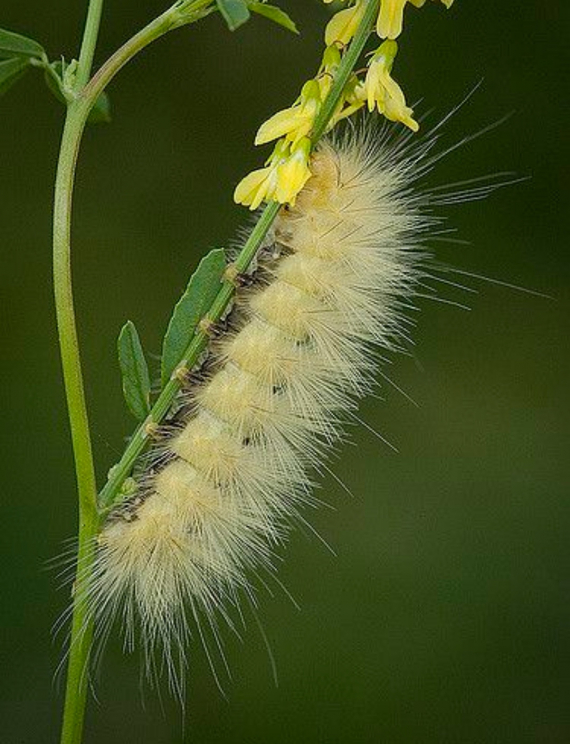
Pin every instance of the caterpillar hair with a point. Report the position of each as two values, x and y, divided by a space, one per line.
233 468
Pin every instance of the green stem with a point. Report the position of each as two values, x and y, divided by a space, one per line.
82 626
167 21
110 494
89 42
89 519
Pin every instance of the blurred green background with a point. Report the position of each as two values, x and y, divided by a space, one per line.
445 616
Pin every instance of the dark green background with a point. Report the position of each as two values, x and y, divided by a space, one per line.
445 616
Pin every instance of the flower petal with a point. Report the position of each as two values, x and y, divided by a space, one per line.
253 188
278 125
342 26
294 173
390 19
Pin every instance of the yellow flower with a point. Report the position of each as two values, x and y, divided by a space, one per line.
342 26
285 174
384 93
255 187
294 122
294 173
391 16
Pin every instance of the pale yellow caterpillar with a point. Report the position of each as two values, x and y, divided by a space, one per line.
234 469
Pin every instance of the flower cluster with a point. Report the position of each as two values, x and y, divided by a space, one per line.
288 168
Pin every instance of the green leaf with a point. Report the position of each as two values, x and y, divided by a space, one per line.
235 12
101 111
15 45
11 70
136 382
202 288
274 14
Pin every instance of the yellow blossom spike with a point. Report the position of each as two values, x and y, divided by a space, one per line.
342 26
384 93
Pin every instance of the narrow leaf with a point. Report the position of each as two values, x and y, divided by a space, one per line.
11 70
274 14
192 306
136 382
235 12
15 45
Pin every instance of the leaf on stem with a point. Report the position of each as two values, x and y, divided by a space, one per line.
15 45
275 14
11 70
235 12
136 381
199 295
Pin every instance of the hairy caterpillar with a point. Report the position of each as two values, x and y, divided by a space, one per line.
233 471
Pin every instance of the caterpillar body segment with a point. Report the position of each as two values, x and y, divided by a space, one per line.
236 468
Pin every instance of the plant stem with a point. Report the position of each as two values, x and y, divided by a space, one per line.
110 494
89 519
89 42
154 30
76 689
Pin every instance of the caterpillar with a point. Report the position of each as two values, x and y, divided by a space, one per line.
234 468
